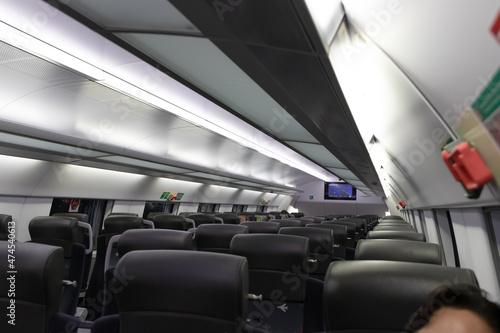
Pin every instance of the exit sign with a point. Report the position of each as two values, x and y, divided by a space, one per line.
311 197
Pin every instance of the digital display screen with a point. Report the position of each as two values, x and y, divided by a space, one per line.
339 191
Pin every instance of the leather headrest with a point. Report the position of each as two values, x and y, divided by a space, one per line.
287 223
395 234
79 216
202 218
229 218
320 240
217 235
184 282
339 231
271 252
262 227
394 227
4 223
117 224
350 227
169 222
154 239
382 295
398 250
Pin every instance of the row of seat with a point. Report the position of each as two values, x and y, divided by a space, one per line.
190 291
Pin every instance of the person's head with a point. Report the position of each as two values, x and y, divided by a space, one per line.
456 308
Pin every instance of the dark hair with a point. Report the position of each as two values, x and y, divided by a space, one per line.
459 296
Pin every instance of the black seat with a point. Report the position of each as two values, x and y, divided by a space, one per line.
133 240
187 291
380 296
174 222
398 250
217 237
200 219
114 224
394 227
153 214
63 231
265 227
395 234
85 237
339 238
4 223
287 297
288 223
321 242
37 285
229 218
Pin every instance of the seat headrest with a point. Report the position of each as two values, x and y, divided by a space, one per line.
229 218
152 215
271 252
395 234
200 219
117 224
339 231
169 222
4 223
213 236
38 283
383 293
184 282
255 227
79 216
154 239
55 230
320 240
394 227
287 223
398 250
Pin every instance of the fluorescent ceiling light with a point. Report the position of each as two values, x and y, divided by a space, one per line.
119 82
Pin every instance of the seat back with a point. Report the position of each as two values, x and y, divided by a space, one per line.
396 234
277 276
350 230
398 250
320 248
188 291
134 240
380 296
339 237
63 231
174 222
217 237
265 227
4 223
114 224
153 214
200 219
394 227
229 218
37 283
288 223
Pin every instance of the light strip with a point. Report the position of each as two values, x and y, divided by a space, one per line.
44 50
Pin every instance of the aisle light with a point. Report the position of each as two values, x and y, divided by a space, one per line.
41 49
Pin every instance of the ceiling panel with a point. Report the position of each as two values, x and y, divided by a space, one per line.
147 14
343 173
200 62
317 153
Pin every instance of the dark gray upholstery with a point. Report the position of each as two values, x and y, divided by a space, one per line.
4 223
200 219
188 291
122 214
393 227
117 224
287 223
350 231
339 237
380 296
63 231
174 222
217 237
398 250
266 227
229 218
278 273
142 239
38 285
79 216
350 224
154 239
395 234
320 247
151 215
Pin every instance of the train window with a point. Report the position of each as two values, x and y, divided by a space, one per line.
238 208
94 208
208 208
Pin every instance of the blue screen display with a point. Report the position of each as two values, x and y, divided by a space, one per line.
339 191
